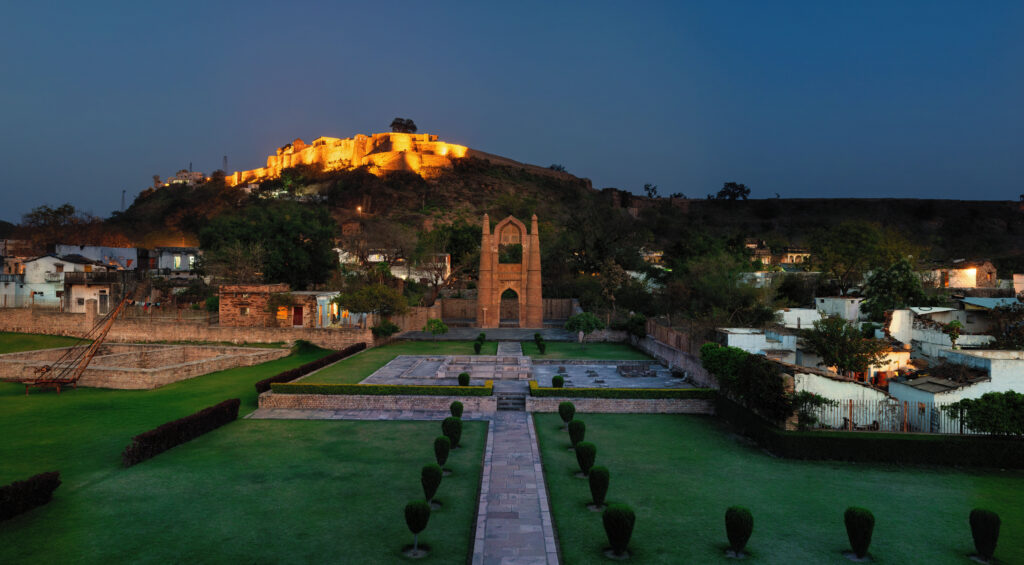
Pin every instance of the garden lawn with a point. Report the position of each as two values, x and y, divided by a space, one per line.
361 365
14 342
680 473
262 491
82 432
597 351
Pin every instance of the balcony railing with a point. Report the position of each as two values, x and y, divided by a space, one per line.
99 277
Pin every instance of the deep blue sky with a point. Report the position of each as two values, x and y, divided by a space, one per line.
807 99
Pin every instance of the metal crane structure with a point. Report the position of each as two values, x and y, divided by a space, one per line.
70 366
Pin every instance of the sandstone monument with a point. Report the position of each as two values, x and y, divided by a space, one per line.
521 277
381 153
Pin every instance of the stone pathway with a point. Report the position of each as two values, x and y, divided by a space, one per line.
510 349
513 520
289 414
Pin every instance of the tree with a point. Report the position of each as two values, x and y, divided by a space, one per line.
585 323
841 345
374 298
237 262
898 286
435 327
732 191
952 329
298 241
613 277
557 167
1009 327
651 190
849 249
403 125
999 413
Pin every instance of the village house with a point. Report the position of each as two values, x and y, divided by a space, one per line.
922 329
794 256
799 318
774 343
961 274
107 288
43 282
174 261
276 305
127 258
846 307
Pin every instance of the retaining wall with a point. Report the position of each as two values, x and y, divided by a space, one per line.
624 405
678 360
28 320
375 402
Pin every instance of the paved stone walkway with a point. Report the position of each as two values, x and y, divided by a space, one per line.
510 349
289 414
513 520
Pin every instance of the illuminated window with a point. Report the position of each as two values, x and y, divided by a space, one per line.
282 312
191 262
177 262
244 311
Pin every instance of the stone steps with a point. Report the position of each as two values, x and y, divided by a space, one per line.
511 401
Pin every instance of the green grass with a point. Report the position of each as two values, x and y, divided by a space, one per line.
261 491
82 432
680 473
597 351
361 365
14 342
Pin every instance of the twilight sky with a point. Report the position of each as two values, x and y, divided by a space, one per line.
804 99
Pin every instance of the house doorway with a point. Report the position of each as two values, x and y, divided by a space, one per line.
509 309
297 316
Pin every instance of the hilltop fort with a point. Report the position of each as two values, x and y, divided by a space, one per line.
381 153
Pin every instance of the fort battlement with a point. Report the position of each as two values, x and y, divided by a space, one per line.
381 153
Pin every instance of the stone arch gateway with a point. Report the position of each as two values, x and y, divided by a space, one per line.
523 277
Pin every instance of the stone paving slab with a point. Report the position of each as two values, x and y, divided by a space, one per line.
513 521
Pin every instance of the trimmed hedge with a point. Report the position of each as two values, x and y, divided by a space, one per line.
876 447
302 370
21 496
158 440
383 390
654 393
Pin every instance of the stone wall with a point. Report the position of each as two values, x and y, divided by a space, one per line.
28 320
484 404
624 405
678 360
416 317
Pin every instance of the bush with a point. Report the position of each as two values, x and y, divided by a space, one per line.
456 409
656 393
997 413
542 347
859 525
385 328
537 338
477 346
383 390
566 410
156 441
985 531
430 478
482 337
463 379
739 524
577 429
417 514
557 381
618 520
442 447
22 496
451 427
435 327
292 374
586 453
599 478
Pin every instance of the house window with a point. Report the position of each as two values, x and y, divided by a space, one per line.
244 311
191 262
60 293
88 268
59 267
177 262
80 302
282 312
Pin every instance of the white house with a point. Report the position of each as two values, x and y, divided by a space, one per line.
44 278
175 261
799 318
775 344
124 257
921 328
846 307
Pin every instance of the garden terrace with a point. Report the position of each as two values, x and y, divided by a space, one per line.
680 473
